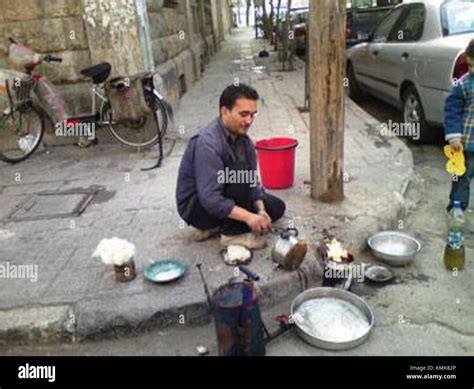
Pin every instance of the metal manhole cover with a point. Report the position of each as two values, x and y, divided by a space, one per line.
53 205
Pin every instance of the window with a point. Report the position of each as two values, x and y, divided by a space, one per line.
383 30
410 27
456 17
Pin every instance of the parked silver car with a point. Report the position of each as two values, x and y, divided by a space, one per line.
412 57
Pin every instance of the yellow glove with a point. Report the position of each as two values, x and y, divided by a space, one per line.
457 163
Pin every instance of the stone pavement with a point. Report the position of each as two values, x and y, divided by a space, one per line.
76 297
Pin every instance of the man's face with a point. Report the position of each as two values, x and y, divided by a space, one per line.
241 117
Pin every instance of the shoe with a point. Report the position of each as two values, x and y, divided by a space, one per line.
248 240
200 235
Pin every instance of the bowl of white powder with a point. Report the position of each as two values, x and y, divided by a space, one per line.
332 318
394 248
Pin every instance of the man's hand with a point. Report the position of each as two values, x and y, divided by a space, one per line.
456 144
264 213
259 223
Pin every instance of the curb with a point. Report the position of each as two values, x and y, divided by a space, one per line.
97 318
101 319
104 319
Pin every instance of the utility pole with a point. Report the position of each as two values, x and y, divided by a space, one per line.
327 27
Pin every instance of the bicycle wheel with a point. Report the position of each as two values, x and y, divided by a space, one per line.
21 132
143 134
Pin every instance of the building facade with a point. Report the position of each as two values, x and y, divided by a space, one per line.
175 38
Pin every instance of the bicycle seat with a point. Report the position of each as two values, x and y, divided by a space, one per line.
99 73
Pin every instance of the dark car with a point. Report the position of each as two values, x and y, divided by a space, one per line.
361 21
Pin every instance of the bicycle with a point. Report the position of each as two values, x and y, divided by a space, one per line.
33 99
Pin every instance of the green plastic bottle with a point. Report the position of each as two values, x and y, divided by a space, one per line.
455 252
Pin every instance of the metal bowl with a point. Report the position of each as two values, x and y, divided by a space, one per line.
165 271
394 248
378 273
355 300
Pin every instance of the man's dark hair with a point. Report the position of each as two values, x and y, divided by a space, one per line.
232 93
470 49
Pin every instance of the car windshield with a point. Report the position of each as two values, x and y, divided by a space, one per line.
457 17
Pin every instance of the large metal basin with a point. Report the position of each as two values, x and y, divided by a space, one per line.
339 294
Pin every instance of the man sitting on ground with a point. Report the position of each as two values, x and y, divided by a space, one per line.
218 188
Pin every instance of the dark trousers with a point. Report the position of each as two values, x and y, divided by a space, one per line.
240 193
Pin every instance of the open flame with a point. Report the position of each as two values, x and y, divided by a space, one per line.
336 252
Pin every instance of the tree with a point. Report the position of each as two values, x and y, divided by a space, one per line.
247 12
327 22
277 24
272 18
287 41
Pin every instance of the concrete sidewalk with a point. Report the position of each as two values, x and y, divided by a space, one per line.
76 297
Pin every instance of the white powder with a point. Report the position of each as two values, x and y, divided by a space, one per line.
167 275
391 247
331 319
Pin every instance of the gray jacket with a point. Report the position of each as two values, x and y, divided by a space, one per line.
206 157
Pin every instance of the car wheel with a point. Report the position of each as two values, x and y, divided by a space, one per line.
355 91
419 131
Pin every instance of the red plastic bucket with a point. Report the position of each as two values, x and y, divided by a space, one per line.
276 158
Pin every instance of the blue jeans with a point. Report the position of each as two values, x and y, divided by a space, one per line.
461 189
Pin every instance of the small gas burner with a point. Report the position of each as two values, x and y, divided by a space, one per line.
337 263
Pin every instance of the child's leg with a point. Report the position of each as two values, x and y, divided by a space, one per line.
461 189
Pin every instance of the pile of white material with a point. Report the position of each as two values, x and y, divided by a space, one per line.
236 254
331 319
167 275
114 251
392 247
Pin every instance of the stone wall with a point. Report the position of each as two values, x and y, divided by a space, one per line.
113 33
54 27
180 39
171 47
48 26
184 38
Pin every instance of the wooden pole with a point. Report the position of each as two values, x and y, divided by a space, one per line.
327 26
